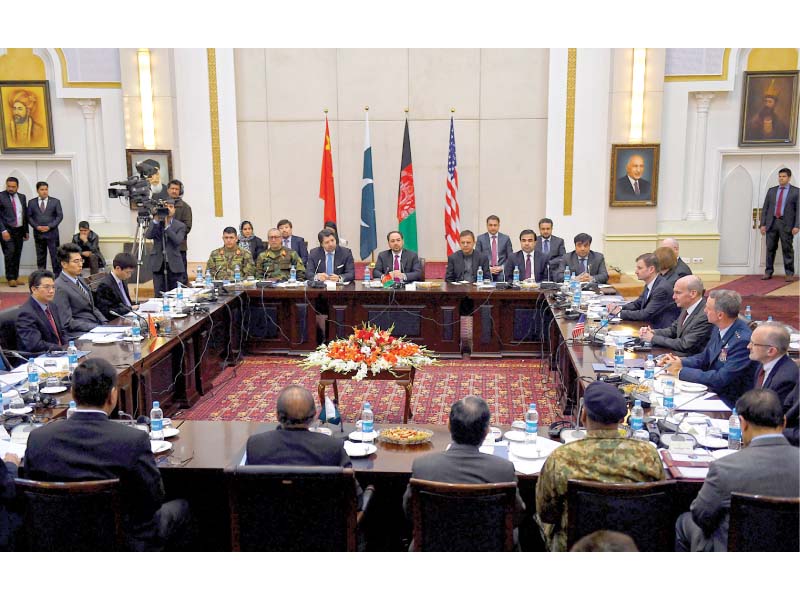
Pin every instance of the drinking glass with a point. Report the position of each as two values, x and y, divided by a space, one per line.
50 366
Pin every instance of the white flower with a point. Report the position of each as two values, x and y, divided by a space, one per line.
366 350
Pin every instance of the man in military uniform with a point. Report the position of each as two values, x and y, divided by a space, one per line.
222 262
276 261
602 456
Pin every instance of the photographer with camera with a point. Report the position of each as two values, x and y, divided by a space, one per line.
165 260
183 213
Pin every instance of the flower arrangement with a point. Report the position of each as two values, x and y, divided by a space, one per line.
368 350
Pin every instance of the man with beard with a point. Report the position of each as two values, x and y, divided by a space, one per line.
22 130
780 221
766 125
158 190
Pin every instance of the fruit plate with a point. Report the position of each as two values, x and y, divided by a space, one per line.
405 436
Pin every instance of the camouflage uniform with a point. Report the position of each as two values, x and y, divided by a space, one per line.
601 456
275 264
222 263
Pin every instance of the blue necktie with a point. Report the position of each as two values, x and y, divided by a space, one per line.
329 264
122 293
646 294
546 246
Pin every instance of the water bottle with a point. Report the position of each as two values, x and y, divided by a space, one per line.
367 274
669 393
748 315
516 275
165 305
156 422
72 408
72 357
649 371
209 281
367 420
637 421
137 350
293 274
179 297
136 330
567 276
479 279
769 318
619 357
33 378
531 424
237 277
198 280
576 297
734 432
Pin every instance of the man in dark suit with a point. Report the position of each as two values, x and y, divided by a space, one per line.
73 300
463 264
330 262
497 246
9 520
682 269
583 261
112 292
401 264
88 446
654 305
779 220
183 213
45 215
631 186
767 465
530 262
165 260
551 248
292 242
792 429
690 332
724 366
13 227
769 344
88 243
38 323
462 462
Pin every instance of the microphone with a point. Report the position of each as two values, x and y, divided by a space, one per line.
129 421
570 435
668 438
314 282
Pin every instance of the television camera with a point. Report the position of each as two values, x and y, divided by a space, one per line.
136 189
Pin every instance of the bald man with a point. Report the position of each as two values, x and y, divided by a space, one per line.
631 186
682 269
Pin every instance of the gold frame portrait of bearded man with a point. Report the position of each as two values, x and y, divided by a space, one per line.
27 117
769 108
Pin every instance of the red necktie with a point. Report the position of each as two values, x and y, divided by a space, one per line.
396 265
779 205
528 266
14 206
494 250
760 383
52 323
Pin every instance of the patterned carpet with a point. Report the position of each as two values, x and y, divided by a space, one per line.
507 385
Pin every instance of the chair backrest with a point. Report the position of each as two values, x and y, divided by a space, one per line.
82 516
457 517
291 509
763 524
642 510
8 330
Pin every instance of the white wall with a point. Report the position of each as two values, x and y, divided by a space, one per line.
500 97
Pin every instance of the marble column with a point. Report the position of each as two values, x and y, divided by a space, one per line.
89 107
695 208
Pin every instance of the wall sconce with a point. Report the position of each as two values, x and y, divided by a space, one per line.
146 97
637 94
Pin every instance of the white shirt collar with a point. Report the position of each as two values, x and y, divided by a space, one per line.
770 365
690 310
722 332
632 180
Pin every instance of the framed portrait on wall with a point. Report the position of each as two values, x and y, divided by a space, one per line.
161 159
634 175
769 109
27 117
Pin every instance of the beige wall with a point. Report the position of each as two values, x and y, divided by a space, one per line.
500 98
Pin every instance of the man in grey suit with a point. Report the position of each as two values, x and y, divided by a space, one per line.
463 264
165 260
401 264
767 465
45 215
73 299
780 220
462 462
583 261
690 332
497 246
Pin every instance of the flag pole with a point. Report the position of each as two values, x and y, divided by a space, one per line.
372 254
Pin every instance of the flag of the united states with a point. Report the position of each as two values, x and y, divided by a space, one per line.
452 219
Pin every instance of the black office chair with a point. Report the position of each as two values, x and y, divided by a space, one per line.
8 334
456 517
83 516
641 510
293 509
763 524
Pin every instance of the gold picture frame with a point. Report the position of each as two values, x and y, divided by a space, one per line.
634 175
769 108
27 118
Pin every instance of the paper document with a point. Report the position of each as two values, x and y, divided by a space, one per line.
6 447
93 337
706 403
14 377
109 329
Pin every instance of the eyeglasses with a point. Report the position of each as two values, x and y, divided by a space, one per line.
76 260
274 237
762 345
46 287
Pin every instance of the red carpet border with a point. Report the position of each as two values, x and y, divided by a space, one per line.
507 385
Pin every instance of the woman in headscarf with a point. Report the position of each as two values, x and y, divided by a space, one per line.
248 241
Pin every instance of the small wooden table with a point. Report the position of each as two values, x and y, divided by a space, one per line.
404 377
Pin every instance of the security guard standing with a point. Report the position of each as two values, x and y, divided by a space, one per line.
276 261
222 261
